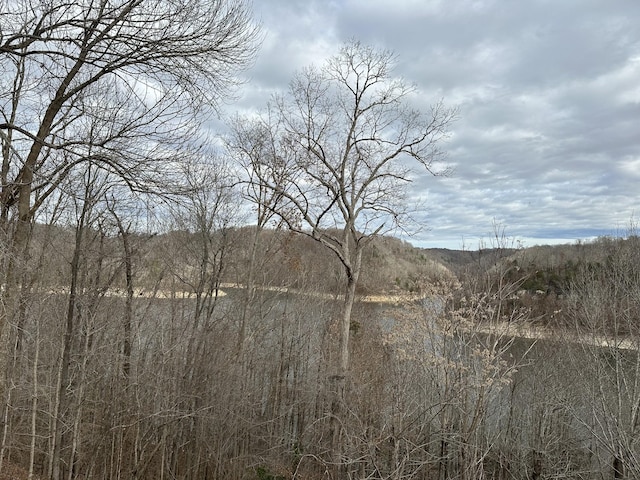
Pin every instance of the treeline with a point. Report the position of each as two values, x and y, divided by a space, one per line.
289 259
547 280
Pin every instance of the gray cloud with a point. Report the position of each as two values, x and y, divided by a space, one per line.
547 142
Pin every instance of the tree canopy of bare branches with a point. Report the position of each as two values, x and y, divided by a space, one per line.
332 153
119 83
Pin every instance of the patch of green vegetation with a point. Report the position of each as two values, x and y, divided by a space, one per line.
263 473
354 326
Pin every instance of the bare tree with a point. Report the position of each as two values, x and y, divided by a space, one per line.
343 136
118 82
249 145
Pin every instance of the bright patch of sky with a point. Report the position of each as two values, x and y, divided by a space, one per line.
547 144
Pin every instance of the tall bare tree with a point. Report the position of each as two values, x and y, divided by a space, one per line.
249 144
343 135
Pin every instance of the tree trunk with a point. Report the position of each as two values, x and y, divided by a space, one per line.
338 381
249 292
65 361
65 364
128 311
34 403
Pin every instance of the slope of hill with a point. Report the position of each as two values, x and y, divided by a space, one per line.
282 258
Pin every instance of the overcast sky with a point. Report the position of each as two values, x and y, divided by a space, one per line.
547 144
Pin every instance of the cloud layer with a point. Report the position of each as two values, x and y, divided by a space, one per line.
547 143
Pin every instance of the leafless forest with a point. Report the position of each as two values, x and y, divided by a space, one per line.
165 364
175 307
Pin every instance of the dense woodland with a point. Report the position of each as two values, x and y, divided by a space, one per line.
177 306
177 369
